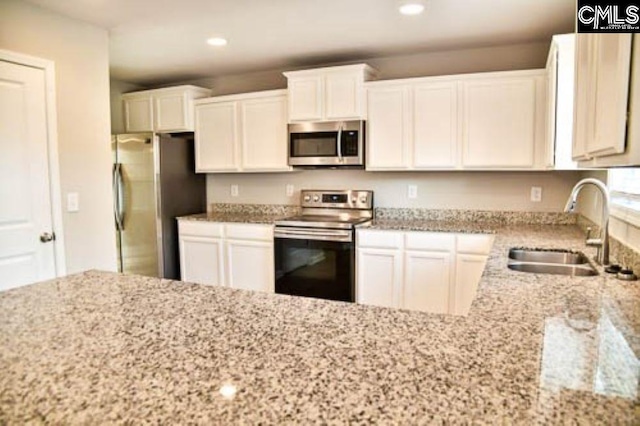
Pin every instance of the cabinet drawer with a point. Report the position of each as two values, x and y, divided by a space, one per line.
252 232
379 239
200 228
475 243
433 241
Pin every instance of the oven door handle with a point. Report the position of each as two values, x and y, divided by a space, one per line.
311 234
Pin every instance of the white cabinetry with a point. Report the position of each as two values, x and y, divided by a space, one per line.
503 121
201 252
603 64
161 110
242 133
475 121
381 271
235 255
326 94
425 271
560 98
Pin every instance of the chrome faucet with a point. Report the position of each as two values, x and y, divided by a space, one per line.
601 243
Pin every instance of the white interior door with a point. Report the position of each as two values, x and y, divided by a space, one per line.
25 206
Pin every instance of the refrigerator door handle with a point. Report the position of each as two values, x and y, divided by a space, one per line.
119 196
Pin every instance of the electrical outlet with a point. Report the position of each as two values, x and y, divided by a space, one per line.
235 191
289 190
536 194
412 191
73 202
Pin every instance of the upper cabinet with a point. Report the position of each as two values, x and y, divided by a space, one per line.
242 133
603 65
162 110
560 99
475 121
328 94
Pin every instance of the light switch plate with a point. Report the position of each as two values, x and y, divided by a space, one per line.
536 194
235 191
289 190
73 202
412 191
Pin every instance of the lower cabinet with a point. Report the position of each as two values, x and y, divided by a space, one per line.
425 271
381 271
234 255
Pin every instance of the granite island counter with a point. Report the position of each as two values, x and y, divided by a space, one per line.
102 347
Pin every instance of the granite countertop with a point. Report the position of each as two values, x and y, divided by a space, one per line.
266 219
100 347
431 226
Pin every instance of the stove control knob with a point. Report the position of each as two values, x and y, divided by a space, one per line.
307 198
354 200
316 198
363 199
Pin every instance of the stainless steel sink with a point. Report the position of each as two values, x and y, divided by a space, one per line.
558 269
558 262
562 257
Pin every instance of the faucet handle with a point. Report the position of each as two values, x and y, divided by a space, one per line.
589 232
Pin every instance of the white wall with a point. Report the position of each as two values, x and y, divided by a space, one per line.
80 53
436 190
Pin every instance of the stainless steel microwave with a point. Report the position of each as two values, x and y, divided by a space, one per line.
329 144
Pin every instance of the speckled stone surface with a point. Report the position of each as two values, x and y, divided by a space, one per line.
244 213
535 349
266 219
431 226
255 209
489 217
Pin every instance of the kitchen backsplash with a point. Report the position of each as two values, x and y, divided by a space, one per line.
444 190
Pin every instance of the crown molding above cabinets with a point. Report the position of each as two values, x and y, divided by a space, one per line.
166 110
486 121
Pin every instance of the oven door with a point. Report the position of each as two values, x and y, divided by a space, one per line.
315 266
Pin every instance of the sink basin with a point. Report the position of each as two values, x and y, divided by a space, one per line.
561 257
558 262
584 270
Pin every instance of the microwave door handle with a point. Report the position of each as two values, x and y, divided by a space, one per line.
339 142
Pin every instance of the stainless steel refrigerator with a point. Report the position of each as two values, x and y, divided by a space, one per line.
154 181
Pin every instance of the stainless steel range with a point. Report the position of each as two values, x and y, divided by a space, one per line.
315 251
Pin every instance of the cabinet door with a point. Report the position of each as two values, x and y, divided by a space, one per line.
138 113
305 98
427 281
216 137
264 134
201 260
435 125
379 277
388 128
612 65
343 96
469 268
250 265
583 123
499 122
171 112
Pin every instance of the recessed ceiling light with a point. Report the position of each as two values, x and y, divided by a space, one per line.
412 9
217 41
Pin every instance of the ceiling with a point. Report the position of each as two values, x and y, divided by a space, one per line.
162 41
